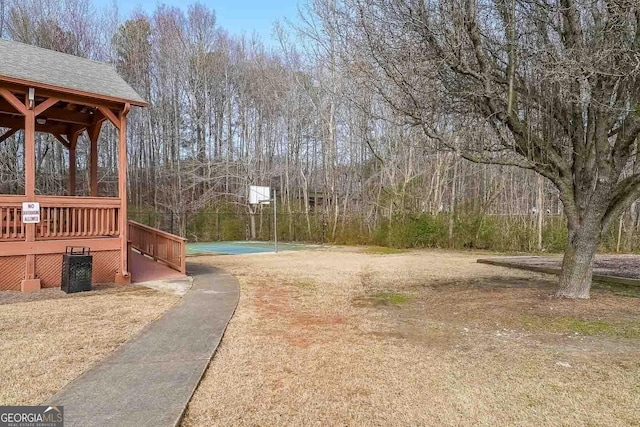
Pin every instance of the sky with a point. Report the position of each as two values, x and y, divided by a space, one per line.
236 16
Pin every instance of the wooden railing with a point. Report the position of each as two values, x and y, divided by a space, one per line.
11 226
61 217
161 246
78 217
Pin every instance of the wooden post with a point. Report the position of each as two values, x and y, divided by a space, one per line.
30 155
94 134
30 283
123 276
72 164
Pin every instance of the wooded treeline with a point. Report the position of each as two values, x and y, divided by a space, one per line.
228 111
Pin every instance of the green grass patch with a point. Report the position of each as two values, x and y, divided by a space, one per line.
303 284
390 298
571 325
382 250
380 299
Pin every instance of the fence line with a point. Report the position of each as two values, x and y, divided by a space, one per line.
498 232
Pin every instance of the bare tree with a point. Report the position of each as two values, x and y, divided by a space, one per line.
359 119
554 86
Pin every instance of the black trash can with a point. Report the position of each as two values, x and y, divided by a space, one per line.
77 263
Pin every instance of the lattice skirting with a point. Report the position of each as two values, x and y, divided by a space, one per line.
105 266
11 272
49 269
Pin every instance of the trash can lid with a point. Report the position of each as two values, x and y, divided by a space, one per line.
78 250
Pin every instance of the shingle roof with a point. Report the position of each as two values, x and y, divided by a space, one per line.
50 68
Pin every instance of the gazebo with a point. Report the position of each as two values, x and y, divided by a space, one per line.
64 95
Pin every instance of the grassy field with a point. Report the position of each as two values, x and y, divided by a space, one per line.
372 337
48 338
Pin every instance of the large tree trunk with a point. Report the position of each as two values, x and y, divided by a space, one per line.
577 266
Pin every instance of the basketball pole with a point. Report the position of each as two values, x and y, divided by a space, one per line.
256 195
275 218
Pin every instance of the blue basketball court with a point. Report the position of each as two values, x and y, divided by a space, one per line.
238 248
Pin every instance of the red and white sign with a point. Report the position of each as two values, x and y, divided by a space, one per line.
30 212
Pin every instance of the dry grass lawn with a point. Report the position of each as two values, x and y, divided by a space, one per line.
49 338
361 337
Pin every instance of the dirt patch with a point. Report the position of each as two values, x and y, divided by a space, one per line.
469 344
294 326
48 338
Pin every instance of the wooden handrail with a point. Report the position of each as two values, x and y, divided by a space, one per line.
78 202
158 244
155 230
7 200
62 201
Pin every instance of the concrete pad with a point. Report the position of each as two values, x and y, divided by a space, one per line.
150 379
171 286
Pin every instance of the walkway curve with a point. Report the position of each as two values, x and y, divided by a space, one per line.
150 379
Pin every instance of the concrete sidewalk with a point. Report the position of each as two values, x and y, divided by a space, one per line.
149 380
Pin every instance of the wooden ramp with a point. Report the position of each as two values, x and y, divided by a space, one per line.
145 269
155 254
